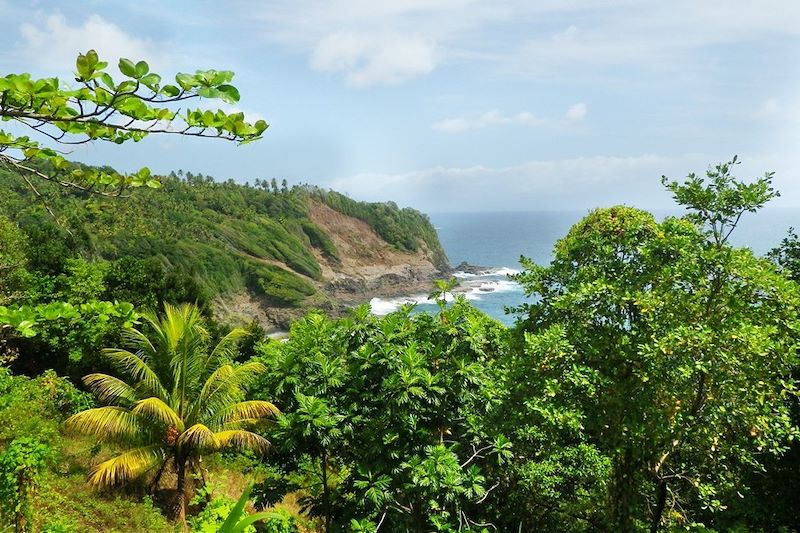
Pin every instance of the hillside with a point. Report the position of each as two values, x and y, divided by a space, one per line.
262 250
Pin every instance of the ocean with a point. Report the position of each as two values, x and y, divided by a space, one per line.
497 240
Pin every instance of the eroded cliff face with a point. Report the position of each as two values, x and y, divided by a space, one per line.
367 267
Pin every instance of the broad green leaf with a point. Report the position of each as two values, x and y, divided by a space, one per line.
170 90
142 68
151 80
107 80
208 92
127 67
186 81
228 93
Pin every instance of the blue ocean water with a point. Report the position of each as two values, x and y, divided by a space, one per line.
497 240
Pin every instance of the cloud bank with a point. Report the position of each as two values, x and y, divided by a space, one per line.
54 43
575 113
580 183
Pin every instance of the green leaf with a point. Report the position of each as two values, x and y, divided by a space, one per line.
91 57
228 93
126 86
127 67
106 78
208 92
142 68
170 90
84 67
151 80
186 81
230 522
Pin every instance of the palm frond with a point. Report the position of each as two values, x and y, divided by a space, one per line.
225 348
107 423
224 387
127 466
134 338
219 390
181 337
110 390
247 411
138 369
222 377
199 436
157 409
243 440
248 372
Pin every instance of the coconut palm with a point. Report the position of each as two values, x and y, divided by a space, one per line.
175 400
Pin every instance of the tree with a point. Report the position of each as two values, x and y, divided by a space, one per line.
685 345
100 108
180 400
384 418
12 260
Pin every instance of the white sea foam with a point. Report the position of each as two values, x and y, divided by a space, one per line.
384 306
504 271
472 287
476 291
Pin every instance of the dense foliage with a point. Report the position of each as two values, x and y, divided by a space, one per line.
385 418
650 382
178 399
204 238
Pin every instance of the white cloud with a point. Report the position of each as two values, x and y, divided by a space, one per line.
650 35
560 184
578 183
782 111
452 125
388 42
373 43
374 59
576 112
770 107
495 117
54 44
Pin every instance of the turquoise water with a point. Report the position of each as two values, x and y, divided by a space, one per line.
496 241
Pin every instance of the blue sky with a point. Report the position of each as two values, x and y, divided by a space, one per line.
458 105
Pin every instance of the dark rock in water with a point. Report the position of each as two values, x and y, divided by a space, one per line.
467 268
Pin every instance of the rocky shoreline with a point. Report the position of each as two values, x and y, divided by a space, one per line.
343 292
367 267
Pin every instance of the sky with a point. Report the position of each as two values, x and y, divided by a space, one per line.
457 105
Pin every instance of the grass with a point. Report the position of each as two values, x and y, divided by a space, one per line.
65 499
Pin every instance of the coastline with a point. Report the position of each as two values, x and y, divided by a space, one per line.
385 290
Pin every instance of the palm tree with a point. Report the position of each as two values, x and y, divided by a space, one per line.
176 401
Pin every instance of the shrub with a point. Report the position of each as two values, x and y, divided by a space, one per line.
282 286
20 466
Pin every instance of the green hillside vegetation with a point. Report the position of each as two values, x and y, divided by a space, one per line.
649 384
219 236
401 227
